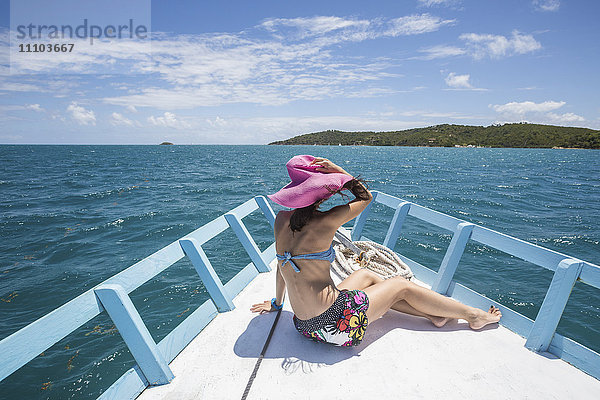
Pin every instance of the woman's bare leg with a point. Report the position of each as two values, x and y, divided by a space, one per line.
406 308
364 278
384 295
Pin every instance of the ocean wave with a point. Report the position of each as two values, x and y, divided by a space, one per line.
115 209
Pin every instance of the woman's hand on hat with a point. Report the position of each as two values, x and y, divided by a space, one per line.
327 166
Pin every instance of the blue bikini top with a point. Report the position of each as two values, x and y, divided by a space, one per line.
328 255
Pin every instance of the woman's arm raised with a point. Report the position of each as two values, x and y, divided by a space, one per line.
339 215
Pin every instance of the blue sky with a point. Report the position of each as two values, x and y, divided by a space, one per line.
251 72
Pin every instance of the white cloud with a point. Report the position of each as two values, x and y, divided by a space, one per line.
34 107
81 115
342 29
168 120
56 116
313 26
430 3
19 87
216 69
122 56
440 51
536 112
279 61
527 107
547 5
11 107
458 81
496 46
119 119
565 118
480 45
218 121
416 24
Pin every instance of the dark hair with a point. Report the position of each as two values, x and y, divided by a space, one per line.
301 216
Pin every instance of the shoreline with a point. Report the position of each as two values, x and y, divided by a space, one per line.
288 144
443 147
512 135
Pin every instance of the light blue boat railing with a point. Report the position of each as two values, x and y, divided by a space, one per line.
152 359
541 334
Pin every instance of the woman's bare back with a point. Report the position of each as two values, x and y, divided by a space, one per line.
311 291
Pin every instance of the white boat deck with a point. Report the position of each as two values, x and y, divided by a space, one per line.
401 356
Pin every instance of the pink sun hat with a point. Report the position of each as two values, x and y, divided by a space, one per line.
308 184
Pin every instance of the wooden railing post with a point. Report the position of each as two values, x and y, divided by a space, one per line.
266 209
249 244
213 284
554 303
360 221
396 225
134 332
452 257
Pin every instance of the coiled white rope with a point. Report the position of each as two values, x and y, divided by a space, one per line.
373 256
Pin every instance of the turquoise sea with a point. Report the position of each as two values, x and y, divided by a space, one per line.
72 216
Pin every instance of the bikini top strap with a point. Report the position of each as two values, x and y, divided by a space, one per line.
287 257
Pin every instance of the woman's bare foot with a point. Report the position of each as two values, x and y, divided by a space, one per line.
484 318
438 321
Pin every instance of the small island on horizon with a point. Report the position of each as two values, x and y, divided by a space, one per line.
522 135
166 144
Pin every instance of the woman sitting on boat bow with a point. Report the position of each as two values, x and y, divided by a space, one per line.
340 314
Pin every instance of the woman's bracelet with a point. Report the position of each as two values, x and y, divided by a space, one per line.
274 304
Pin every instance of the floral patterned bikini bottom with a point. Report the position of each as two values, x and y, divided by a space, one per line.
342 324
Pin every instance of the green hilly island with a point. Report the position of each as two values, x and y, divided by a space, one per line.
446 135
